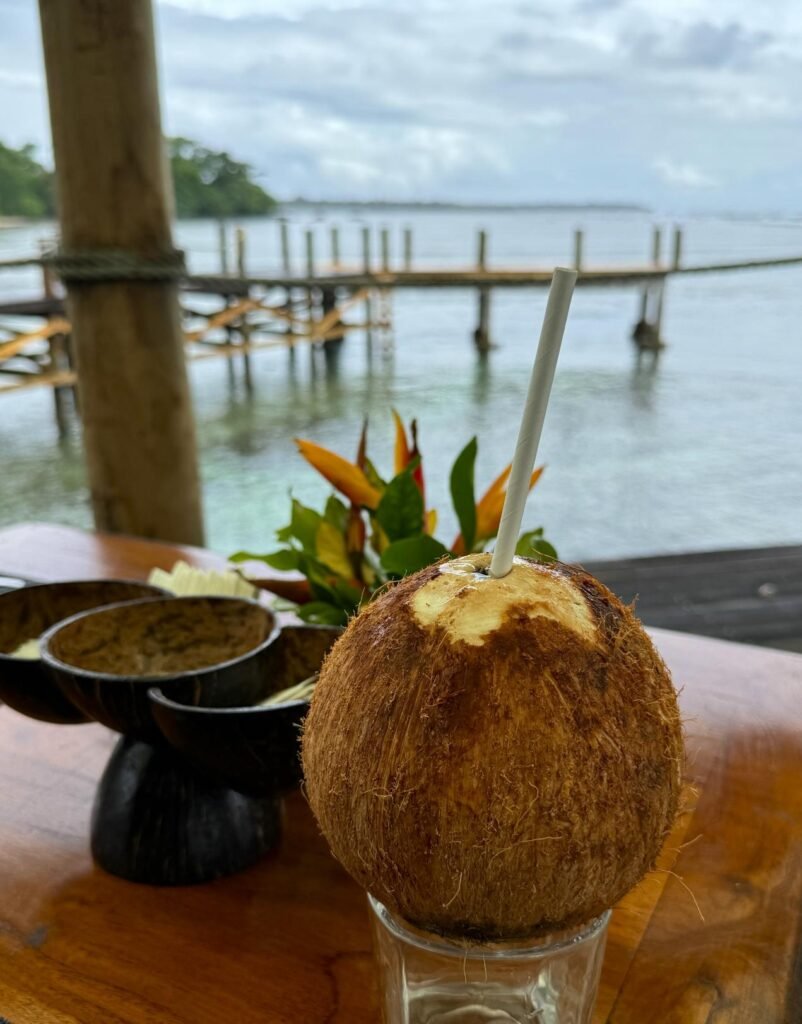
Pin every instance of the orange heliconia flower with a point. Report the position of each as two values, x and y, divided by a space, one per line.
349 479
401 455
355 532
490 507
362 450
417 473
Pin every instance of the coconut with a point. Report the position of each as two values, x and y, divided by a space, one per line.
495 758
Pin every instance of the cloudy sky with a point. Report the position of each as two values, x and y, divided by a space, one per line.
678 104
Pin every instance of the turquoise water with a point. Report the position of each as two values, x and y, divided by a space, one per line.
700 451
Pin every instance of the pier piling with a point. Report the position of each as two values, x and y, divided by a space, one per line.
657 245
244 327
309 237
677 249
366 266
481 336
579 240
222 244
57 349
284 241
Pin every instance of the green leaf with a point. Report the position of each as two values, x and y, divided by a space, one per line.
373 477
245 556
284 560
322 613
543 551
400 511
336 513
405 556
304 524
284 534
532 545
318 576
348 598
462 493
526 540
331 551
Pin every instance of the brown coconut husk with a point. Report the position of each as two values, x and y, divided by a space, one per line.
495 791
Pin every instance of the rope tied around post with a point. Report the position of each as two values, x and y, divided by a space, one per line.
94 265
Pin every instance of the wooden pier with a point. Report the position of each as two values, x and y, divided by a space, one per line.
321 303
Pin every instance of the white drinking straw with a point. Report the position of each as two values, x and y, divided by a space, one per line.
537 398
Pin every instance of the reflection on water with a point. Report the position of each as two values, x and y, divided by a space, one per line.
644 378
696 449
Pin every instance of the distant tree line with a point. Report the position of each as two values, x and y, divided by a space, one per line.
207 184
26 188
210 184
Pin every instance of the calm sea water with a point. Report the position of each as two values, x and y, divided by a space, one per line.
702 450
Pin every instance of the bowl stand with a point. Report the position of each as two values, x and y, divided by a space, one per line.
158 821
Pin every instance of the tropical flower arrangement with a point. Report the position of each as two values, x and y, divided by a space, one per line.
350 550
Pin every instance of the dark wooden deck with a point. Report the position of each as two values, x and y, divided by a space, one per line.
751 595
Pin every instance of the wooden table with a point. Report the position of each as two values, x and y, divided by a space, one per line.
288 941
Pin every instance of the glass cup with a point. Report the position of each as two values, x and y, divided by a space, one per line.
426 979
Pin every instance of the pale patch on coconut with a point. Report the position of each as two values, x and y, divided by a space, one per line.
500 789
469 604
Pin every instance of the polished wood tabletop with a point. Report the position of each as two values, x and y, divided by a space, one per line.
712 937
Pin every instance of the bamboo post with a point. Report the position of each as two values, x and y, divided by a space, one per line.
335 246
677 257
244 328
657 245
366 249
578 246
114 195
222 241
385 247
407 248
481 335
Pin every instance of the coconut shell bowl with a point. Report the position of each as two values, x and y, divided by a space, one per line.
254 747
157 819
26 684
192 790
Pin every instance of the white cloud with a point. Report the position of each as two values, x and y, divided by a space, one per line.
683 174
740 104
548 118
461 99
21 79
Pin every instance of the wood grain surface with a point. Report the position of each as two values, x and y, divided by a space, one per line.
711 938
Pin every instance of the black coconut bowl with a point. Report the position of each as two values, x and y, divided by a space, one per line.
28 685
252 748
155 818
106 660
